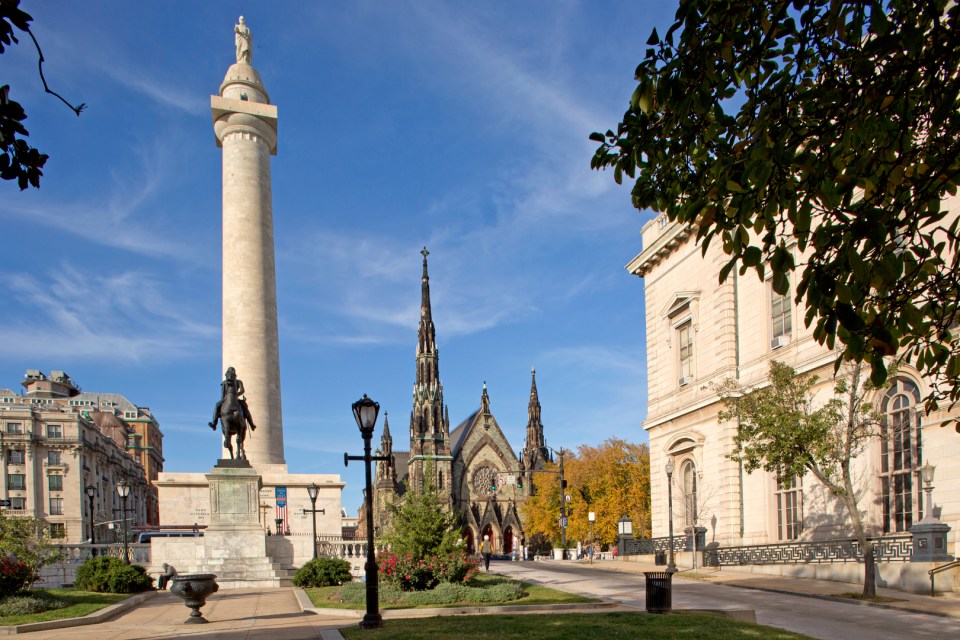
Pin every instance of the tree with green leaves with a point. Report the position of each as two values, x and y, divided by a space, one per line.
832 125
421 524
18 160
782 429
27 540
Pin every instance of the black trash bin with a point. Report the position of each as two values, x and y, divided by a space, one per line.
659 591
660 558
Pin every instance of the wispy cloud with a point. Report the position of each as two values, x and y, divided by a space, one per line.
121 317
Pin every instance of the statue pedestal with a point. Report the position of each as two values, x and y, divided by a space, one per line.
234 498
930 541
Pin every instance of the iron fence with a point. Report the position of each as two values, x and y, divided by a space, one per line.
886 549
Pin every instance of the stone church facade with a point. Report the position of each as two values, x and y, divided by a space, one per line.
473 465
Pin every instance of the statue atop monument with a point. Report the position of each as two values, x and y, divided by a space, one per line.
244 42
233 413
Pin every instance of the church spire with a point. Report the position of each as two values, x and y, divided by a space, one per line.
535 452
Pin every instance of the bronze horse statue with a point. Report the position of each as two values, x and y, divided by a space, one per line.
233 414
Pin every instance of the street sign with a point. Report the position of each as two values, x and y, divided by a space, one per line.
568 498
563 522
4 503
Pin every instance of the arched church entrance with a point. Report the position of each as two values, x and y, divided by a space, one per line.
468 539
508 540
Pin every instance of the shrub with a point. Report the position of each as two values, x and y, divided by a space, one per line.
26 604
410 574
15 576
323 572
442 594
111 575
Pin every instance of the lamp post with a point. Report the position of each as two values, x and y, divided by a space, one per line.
563 508
926 474
365 413
123 490
591 516
671 564
312 491
91 491
279 523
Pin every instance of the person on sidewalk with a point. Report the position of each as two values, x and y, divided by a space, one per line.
168 572
486 550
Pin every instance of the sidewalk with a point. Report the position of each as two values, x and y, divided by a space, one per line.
942 605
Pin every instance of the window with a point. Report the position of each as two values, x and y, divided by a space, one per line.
16 481
15 456
18 503
688 476
55 483
14 427
789 504
900 456
54 430
781 313
56 506
685 340
54 457
58 530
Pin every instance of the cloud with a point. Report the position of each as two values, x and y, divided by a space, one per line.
120 317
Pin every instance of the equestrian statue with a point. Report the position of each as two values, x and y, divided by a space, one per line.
233 414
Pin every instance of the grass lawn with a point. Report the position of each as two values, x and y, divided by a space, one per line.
572 626
80 604
326 597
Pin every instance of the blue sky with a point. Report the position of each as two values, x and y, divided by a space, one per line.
459 126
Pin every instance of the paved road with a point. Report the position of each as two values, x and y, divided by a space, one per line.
811 616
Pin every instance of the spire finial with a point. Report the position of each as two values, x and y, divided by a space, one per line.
424 252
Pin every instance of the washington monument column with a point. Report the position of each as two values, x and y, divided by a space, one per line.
245 124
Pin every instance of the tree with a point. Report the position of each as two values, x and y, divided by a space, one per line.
27 540
834 124
421 525
611 479
18 160
782 430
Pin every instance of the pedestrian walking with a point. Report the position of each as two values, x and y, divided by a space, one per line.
486 550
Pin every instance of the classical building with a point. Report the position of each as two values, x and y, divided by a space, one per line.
56 441
473 466
701 333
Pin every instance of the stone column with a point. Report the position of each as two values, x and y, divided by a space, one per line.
245 124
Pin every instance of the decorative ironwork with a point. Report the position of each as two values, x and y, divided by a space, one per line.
650 546
886 549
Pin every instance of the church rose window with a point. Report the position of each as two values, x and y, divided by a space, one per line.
485 481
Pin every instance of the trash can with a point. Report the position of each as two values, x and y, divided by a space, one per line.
659 591
660 558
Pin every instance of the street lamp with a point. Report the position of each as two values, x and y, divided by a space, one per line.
591 516
926 474
365 413
671 564
123 490
91 491
279 522
312 491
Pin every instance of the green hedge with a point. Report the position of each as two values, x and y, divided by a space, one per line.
111 575
443 593
323 572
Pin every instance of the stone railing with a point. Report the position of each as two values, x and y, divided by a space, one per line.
338 547
886 549
72 556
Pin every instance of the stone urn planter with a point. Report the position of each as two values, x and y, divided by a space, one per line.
194 589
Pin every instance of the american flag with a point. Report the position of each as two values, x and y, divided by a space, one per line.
281 496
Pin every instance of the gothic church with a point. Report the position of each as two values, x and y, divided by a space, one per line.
472 466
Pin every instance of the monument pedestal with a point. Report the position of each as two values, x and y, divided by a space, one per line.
233 546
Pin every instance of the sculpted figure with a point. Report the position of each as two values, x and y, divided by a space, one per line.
233 413
244 42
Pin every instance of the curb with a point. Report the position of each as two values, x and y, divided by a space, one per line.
91 618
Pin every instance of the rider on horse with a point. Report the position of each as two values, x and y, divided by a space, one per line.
230 379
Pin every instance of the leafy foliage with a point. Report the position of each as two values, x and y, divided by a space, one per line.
784 430
26 548
111 575
418 574
15 576
443 593
422 526
611 480
19 605
323 572
834 124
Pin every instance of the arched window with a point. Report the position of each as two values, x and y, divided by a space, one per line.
688 476
900 456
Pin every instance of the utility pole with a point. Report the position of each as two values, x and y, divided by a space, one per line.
563 507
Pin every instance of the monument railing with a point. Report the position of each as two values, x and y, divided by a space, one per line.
329 546
652 546
77 553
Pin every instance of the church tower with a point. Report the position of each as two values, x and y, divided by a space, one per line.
245 124
535 452
429 422
385 485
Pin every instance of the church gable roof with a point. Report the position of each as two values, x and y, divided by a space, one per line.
459 434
